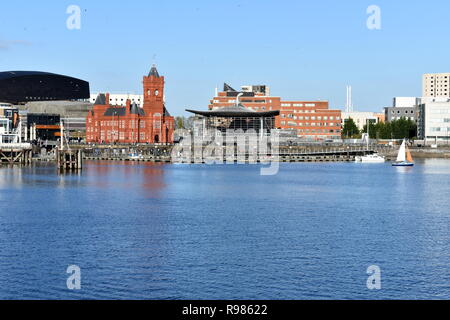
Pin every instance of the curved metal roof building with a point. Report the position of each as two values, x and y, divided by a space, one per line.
25 86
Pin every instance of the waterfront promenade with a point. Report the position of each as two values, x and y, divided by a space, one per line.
294 153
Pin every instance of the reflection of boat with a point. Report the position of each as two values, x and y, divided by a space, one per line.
135 156
404 158
371 158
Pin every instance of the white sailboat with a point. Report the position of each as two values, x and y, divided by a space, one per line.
404 158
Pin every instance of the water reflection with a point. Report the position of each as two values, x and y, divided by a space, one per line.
149 231
143 177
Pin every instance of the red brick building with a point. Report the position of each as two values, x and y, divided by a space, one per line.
152 123
311 119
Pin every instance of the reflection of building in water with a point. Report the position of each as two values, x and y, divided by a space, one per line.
145 177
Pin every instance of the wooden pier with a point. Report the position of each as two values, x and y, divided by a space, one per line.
16 153
69 159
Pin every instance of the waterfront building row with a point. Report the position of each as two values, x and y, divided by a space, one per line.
308 119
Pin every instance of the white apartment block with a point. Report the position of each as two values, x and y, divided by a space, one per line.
120 99
360 118
434 121
436 85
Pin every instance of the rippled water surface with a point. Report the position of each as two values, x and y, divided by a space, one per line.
146 231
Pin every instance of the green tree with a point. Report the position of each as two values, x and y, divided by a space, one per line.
350 129
396 129
372 130
403 128
179 122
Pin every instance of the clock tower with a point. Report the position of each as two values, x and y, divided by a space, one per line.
153 93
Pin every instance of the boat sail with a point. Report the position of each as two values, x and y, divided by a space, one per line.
404 158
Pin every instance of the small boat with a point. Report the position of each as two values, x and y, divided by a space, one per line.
404 158
135 156
371 158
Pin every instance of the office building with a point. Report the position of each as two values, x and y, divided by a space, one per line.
434 120
360 118
436 85
403 107
120 99
308 119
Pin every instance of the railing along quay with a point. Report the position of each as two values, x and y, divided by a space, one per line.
163 153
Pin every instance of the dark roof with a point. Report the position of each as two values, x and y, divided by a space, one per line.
227 88
233 93
166 112
153 72
135 109
25 86
122 111
14 74
235 111
101 99
244 94
115 111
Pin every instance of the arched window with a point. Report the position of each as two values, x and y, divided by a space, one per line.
156 92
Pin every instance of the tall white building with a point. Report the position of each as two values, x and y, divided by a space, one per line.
434 120
436 85
120 99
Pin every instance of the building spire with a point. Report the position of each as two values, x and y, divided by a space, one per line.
153 71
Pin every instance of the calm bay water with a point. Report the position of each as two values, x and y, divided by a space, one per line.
146 231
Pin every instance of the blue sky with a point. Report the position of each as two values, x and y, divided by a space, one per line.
301 49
